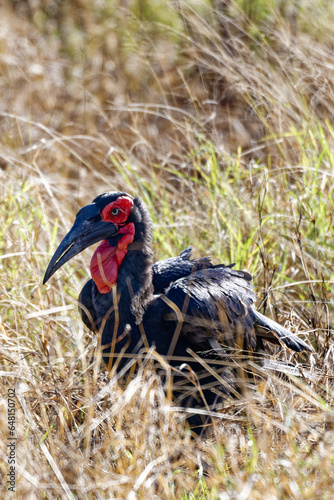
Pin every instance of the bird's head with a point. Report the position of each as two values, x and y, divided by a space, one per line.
115 218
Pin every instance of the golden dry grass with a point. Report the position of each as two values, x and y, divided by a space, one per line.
221 122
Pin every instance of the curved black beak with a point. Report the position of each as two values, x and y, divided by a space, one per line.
87 229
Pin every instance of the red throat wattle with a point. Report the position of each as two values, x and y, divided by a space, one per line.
107 259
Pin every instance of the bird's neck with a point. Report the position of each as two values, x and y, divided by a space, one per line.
108 258
135 279
130 269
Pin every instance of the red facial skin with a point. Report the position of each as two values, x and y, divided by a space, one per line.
107 260
124 204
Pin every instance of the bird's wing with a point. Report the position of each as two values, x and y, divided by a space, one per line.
216 305
166 271
169 270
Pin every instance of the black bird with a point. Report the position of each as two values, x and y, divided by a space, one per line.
174 304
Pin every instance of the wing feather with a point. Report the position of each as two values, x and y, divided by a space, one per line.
220 306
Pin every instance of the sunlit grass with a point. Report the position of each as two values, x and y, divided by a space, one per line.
49 357
228 140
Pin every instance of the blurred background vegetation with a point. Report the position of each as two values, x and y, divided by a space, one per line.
219 114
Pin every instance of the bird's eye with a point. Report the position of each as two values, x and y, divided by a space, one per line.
115 211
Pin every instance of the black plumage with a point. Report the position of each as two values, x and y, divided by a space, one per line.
175 304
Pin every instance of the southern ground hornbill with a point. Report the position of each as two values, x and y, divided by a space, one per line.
177 304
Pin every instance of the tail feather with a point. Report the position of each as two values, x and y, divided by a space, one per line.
268 329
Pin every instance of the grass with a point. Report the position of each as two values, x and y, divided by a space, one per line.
220 119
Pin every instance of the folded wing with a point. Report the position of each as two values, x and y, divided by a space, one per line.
217 307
